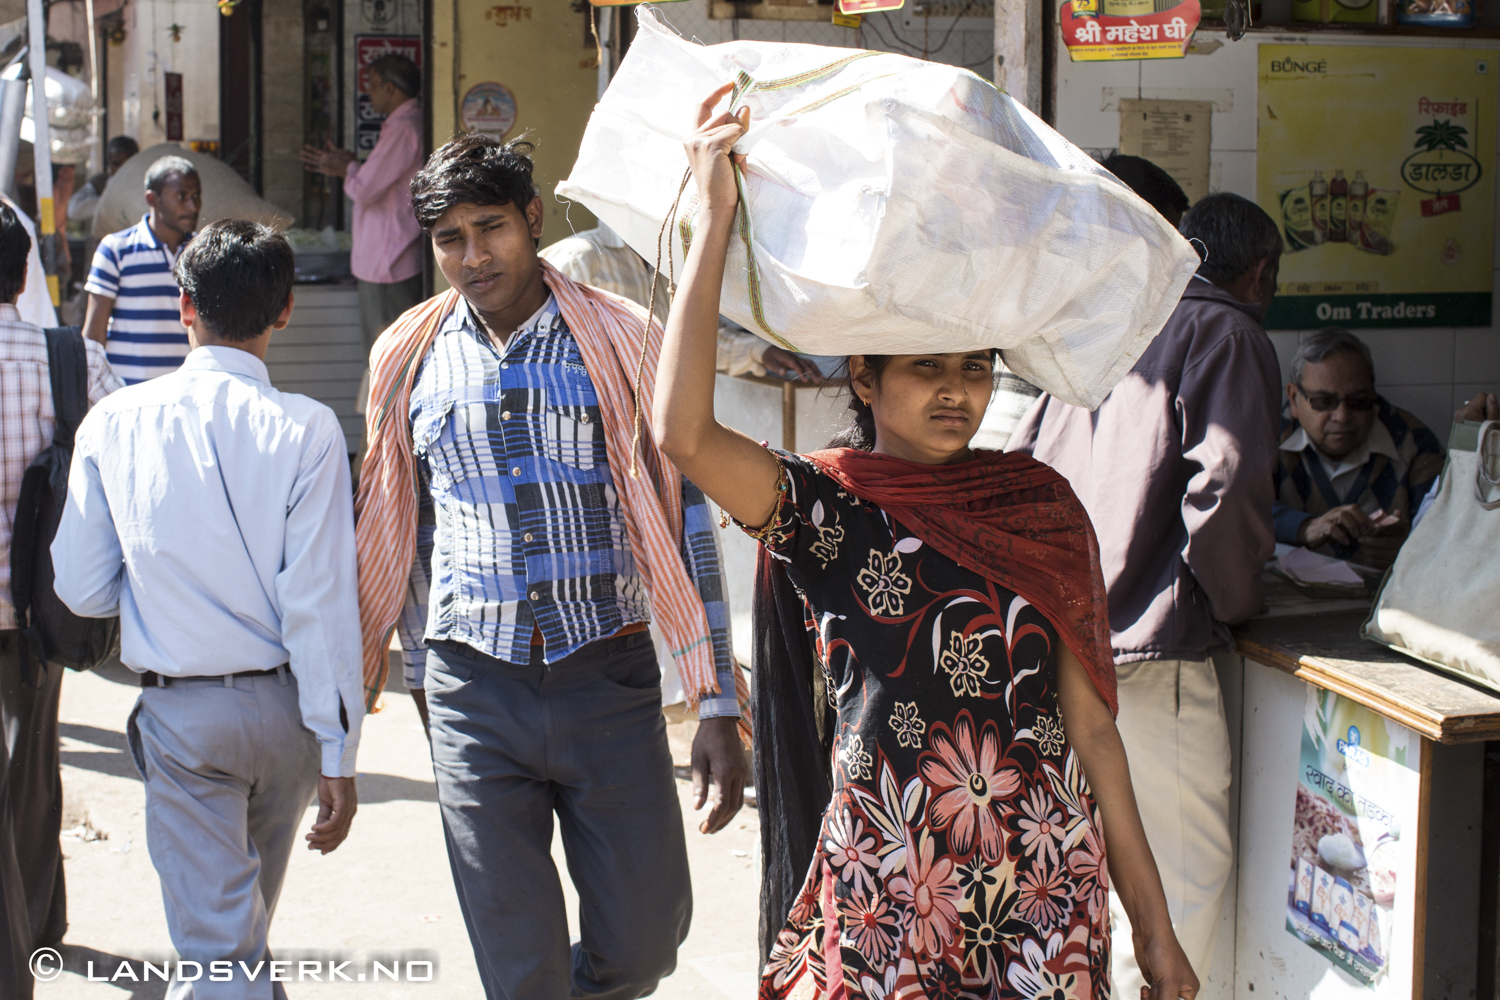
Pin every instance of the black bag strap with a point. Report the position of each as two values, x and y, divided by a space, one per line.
68 369
68 364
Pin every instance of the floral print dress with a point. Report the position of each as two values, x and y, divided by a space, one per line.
962 853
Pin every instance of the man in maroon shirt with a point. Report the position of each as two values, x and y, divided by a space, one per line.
1174 468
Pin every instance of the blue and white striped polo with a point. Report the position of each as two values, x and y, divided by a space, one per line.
146 336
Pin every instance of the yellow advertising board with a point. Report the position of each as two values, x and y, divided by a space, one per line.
1376 163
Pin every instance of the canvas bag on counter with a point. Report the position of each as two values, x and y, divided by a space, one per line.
890 205
1440 602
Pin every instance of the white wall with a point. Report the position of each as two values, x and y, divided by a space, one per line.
965 41
1427 371
149 51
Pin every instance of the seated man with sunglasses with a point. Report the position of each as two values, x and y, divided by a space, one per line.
1353 468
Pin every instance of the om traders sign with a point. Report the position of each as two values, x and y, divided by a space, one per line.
1374 163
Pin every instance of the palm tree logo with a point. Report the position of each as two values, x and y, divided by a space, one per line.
1441 165
1442 135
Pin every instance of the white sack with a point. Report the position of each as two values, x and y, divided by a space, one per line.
894 206
226 195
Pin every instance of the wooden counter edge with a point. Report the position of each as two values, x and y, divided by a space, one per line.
1431 724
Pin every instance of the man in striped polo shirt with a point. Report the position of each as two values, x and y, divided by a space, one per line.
133 297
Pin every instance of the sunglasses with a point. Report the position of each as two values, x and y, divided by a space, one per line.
1323 402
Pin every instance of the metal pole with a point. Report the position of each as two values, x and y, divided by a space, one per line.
47 224
604 36
12 110
96 153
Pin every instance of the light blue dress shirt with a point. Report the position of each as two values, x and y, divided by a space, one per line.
213 514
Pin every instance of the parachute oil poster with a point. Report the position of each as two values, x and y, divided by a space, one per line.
1354 834
1376 164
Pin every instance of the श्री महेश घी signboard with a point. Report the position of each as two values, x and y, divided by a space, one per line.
1375 162
1095 31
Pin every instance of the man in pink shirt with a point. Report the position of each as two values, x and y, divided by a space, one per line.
386 258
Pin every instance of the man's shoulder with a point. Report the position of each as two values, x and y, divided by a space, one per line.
1201 326
123 238
568 247
315 416
1407 431
22 341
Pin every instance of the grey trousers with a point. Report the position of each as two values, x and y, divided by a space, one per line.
512 745
380 304
29 714
229 773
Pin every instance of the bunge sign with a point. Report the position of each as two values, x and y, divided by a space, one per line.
1374 163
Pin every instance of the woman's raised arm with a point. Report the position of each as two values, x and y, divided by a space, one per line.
735 472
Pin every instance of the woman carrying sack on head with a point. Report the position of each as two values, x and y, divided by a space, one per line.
932 824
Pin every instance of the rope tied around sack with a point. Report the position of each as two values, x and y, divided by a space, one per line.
640 365
744 84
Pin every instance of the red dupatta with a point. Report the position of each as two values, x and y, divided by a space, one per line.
1009 518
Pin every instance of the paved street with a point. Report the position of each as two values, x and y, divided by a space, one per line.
386 891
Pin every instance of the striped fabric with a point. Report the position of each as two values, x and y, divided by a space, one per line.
606 330
146 336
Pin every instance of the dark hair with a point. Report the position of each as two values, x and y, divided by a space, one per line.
474 168
1326 343
1149 181
122 144
159 172
1234 233
238 274
400 72
860 433
15 251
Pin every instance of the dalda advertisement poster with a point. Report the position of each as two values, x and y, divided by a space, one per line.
1376 164
1353 835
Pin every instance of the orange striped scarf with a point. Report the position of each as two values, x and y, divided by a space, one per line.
607 330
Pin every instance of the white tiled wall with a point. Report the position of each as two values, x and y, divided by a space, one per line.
967 41
1427 371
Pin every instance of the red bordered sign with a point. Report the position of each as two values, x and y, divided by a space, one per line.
868 6
1093 36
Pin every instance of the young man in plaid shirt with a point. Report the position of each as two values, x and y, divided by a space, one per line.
546 536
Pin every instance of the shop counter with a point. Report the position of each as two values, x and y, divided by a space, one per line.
1322 719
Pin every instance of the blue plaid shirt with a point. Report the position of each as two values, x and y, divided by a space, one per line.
520 525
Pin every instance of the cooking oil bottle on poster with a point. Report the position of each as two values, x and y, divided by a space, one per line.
1338 208
1318 189
1359 190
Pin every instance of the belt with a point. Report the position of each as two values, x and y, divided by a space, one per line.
150 678
631 629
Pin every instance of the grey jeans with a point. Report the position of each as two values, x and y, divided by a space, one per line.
584 739
382 303
229 774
